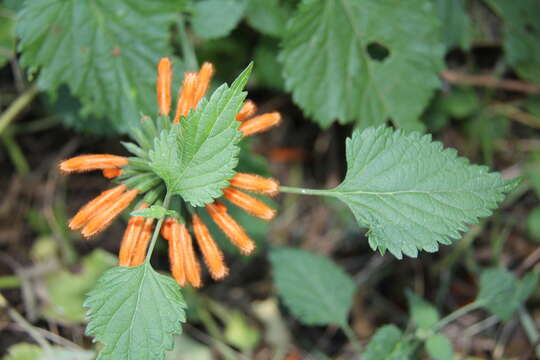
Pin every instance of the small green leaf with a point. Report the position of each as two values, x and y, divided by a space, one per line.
501 293
388 344
315 290
457 29
134 312
268 16
155 212
439 347
521 29
533 224
423 314
412 193
100 50
461 102
359 61
216 18
197 157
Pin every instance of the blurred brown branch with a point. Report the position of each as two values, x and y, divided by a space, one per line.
489 81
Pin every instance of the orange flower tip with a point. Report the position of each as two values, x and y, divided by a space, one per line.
255 183
220 273
84 163
260 123
163 86
186 97
112 173
248 248
248 110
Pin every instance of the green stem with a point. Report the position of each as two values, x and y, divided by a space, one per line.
349 332
187 47
455 315
15 153
166 202
530 329
16 107
302 191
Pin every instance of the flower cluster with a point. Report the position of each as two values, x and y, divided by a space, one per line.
136 179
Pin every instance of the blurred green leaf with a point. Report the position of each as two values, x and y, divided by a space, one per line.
186 348
435 117
501 293
461 102
315 289
58 353
388 344
216 18
486 129
268 16
100 50
423 314
67 290
7 34
342 60
23 351
240 333
521 33
533 223
456 29
267 67
439 347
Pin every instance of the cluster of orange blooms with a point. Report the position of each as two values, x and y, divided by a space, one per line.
99 213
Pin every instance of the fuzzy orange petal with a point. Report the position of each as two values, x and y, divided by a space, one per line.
250 204
84 163
111 173
142 243
255 183
131 234
211 253
176 257
185 98
260 123
91 208
203 81
191 265
248 110
231 228
163 86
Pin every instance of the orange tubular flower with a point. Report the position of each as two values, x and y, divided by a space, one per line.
260 123
250 204
211 253
255 183
248 110
163 86
84 163
137 178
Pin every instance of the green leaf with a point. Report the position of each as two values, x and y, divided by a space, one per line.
411 192
135 312
268 16
533 224
155 212
388 344
186 348
100 50
501 293
335 64
457 29
315 290
268 69
7 34
521 29
216 18
197 157
439 347
23 351
66 290
423 314
461 102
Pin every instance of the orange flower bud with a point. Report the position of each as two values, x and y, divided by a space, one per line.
163 86
176 258
92 208
166 229
231 228
108 212
111 173
255 183
211 253
131 234
260 123
248 110
250 204
192 268
92 162
203 81
142 243
185 98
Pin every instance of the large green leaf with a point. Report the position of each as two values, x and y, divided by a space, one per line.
197 157
268 16
7 34
105 51
501 293
411 192
315 289
521 32
135 312
332 56
388 344
456 30
216 18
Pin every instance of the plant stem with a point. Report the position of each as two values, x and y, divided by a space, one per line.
166 202
187 47
16 107
454 315
530 329
10 282
302 191
349 332
15 153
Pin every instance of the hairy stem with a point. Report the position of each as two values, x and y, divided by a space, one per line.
166 202
302 191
